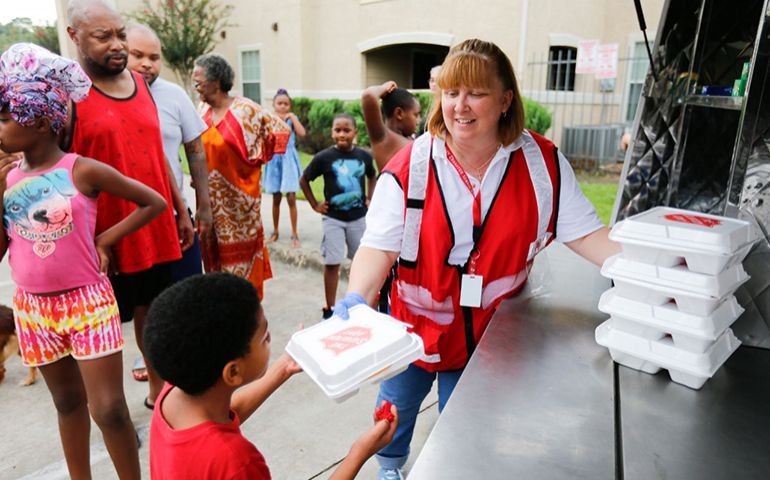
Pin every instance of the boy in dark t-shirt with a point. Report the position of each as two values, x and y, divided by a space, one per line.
343 168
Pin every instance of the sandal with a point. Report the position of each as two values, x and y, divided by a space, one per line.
147 404
139 370
295 242
272 238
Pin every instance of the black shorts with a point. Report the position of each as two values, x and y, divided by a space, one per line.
139 289
190 264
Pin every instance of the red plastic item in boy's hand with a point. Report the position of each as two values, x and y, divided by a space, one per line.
384 413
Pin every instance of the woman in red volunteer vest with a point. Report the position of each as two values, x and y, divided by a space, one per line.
464 210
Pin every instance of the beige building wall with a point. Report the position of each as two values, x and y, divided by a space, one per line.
329 48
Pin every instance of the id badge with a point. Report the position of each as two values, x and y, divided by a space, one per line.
470 290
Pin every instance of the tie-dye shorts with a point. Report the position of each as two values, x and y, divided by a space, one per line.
83 323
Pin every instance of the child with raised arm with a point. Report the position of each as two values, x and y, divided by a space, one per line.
218 376
401 112
65 310
344 168
283 171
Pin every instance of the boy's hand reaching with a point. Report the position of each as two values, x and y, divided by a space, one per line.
249 397
287 365
371 442
378 436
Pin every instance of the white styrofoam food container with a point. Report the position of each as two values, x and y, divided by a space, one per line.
695 293
679 276
650 356
689 332
668 236
342 355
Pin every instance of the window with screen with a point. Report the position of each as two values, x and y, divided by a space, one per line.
251 75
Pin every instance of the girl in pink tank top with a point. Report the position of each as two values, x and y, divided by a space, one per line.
64 307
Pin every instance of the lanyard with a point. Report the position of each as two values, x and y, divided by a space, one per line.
464 177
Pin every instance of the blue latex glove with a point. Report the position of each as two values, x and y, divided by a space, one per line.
342 305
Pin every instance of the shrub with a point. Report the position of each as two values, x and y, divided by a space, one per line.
426 100
354 108
318 116
536 117
322 113
319 122
301 106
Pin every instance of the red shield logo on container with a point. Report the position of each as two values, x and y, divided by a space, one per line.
694 220
346 339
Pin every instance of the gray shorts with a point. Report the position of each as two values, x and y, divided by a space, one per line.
337 234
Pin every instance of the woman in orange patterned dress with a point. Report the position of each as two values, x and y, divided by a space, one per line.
238 142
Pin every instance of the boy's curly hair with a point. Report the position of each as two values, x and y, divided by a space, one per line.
198 325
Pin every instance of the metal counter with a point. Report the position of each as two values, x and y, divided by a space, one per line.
721 431
538 400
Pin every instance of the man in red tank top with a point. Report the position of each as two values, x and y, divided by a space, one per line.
118 124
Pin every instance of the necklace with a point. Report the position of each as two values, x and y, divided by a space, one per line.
480 170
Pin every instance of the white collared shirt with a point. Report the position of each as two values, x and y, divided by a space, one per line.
385 219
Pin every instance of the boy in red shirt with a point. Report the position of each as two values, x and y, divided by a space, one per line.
208 337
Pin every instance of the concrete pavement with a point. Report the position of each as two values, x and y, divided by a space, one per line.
302 434
309 233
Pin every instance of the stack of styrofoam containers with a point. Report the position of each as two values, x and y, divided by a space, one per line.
673 303
343 355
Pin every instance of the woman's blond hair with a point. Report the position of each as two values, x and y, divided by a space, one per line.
472 64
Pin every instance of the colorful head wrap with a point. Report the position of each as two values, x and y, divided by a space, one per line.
36 83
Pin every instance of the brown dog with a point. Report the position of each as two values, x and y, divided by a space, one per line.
9 344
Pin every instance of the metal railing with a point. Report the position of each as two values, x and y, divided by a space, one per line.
593 145
589 116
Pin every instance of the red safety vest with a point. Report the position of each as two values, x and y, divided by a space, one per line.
520 222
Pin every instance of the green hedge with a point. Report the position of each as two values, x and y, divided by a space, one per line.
317 116
426 101
537 117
